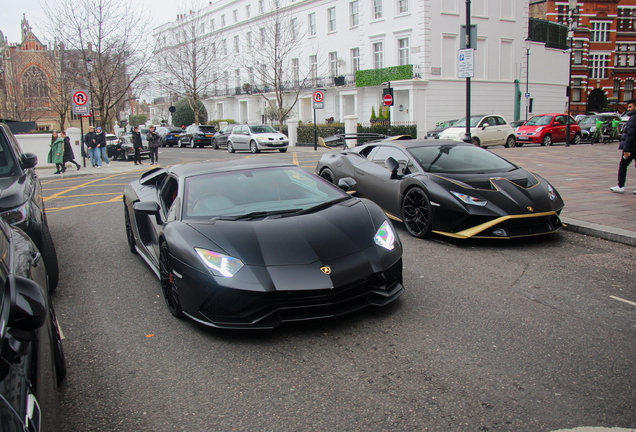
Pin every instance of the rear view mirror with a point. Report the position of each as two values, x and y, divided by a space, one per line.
148 208
28 304
392 165
485 125
346 184
28 160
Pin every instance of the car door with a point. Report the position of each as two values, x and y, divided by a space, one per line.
243 137
374 179
487 130
558 128
166 196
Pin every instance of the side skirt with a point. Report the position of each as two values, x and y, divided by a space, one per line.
150 263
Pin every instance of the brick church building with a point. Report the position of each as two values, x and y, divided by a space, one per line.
604 51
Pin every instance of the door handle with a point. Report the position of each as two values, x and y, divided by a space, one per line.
35 258
359 172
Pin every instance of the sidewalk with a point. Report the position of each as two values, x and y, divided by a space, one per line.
582 174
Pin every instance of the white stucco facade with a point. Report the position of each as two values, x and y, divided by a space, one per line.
422 33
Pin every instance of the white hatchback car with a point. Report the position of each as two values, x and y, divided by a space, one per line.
485 130
256 138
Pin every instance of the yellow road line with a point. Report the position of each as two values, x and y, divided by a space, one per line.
55 209
90 195
83 185
295 158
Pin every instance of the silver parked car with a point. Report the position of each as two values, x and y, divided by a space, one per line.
256 138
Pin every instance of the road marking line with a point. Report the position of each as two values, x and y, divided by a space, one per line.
623 300
71 189
55 209
295 158
91 195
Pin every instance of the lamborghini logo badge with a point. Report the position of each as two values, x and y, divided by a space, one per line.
530 209
326 270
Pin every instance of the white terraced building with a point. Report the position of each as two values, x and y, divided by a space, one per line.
339 38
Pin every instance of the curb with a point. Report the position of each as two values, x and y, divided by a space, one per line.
601 231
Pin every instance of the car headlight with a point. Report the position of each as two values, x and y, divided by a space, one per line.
470 199
385 237
16 215
551 192
539 129
221 265
261 138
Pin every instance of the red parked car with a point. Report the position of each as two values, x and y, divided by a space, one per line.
547 129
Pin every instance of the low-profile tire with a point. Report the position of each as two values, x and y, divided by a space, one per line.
58 349
130 236
547 140
230 147
254 147
476 142
417 213
577 139
49 256
215 145
511 142
168 282
282 150
328 175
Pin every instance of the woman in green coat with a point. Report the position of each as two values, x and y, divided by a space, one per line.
56 154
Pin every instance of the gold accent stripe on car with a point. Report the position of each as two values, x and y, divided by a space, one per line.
470 232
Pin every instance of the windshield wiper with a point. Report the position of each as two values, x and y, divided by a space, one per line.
254 215
322 206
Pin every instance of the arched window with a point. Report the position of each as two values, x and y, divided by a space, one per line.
617 89
35 87
629 90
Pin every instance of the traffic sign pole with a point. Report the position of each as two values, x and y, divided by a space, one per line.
319 103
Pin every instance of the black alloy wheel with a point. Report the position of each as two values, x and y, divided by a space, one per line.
417 213
253 147
129 231
49 256
327 174
230 147
511 142
168 283
476 142
547 140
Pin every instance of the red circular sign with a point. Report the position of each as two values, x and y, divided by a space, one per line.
318 96
388 100
80 97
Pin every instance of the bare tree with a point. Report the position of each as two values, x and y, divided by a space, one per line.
276 44
189 54
109 36
65 78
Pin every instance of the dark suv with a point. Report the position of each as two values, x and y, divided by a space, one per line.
21 202
197 136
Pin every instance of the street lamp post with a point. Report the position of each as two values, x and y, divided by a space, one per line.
527 81
89 68
571 25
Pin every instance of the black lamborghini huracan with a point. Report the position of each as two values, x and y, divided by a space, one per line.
446 187
253 243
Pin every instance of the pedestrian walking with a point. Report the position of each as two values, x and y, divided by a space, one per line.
89 139
100 147
154 141
69 156
56 153
137 144
628 145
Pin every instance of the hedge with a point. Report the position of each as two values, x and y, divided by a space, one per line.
306 132
383 128
373 77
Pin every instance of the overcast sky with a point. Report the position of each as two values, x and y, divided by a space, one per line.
12 10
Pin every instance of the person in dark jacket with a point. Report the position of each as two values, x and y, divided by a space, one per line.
154 141
628 145
89 140
69 156
137 144
100 147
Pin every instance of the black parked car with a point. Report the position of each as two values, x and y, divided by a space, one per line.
197 136
32 358
21 202
588 124
123 148
252 243
439 128
169 135
220 138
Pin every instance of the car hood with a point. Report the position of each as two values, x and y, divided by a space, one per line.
455 132
12 192
530 128
326 235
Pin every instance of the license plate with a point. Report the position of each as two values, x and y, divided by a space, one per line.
176 135
209 136
523 139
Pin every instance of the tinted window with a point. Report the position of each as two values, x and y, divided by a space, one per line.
474 121
207 128
227 129
500 121
262 129
8 164
255 190
385 152
460 159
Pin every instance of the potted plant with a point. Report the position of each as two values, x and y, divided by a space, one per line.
247 88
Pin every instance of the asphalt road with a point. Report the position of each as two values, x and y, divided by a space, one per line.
524 335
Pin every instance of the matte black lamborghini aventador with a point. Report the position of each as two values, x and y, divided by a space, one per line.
446 187
253 243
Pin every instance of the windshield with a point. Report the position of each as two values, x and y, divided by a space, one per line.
539 121
8 165
262 129
474 121
459 159
271 190
445 124
592 120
